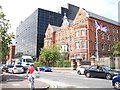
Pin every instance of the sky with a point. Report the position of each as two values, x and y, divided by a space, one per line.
18 10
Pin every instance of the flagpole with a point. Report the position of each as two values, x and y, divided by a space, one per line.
97 56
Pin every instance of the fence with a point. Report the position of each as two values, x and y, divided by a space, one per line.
113 62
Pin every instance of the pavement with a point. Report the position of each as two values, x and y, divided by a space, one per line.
12 82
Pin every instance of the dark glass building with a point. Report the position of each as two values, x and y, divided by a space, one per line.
30 33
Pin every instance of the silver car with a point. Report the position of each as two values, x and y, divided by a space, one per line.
81 69
16 69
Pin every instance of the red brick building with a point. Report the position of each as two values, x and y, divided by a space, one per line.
78 37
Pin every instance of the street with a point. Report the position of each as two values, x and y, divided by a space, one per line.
68 79
62 79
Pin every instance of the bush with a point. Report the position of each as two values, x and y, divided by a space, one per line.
66 63
63 63
37 64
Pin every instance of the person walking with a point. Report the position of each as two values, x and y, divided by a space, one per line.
30 71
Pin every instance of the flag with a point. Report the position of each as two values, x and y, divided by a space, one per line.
100 27
104 28
97 26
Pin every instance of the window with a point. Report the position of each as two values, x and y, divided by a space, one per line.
93 68
102 36
83 44
63 32
83 32
71 30
48 43
114 38
102 46
116 30
108 47
83 56
108 37
77 45
70 39
77 55
64 48
113 30
77 33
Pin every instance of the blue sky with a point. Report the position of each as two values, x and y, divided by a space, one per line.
19 10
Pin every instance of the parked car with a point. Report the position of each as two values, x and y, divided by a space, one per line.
116 82
46 69
100 71
81 69
16 69
4 68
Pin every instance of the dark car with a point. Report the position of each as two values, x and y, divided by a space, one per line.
7 67
46 69
100 71
116 82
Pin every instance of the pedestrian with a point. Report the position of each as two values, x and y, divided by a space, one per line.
30 71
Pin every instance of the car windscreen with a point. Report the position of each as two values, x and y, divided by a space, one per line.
10 66
84 67
18 66
29 60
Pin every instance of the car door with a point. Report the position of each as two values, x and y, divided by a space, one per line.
100 72
93 71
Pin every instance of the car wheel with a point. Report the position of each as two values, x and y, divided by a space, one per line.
78 72
108 76
117 85
88 75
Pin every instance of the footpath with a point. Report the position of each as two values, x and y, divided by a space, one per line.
12 82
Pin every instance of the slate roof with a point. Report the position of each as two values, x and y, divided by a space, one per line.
101 18
55 28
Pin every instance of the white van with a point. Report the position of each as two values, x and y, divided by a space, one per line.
26 61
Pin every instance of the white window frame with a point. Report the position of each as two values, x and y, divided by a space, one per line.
109 47
108 37
83 44
77 33
102 35
77 45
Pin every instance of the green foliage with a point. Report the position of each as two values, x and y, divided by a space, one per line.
63 63
19 54
116 48
5 38
37 64
67 63
49 56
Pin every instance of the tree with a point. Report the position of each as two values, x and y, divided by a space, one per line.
49 55
19 54
116 48
5 38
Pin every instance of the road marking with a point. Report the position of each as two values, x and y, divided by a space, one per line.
57 84
16 84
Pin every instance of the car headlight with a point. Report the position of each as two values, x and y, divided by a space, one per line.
114 77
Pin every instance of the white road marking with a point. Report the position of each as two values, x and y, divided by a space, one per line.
16 84
57 84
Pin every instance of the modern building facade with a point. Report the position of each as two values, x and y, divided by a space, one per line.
31 32
77 37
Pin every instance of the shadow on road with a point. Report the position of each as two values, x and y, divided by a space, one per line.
12 78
